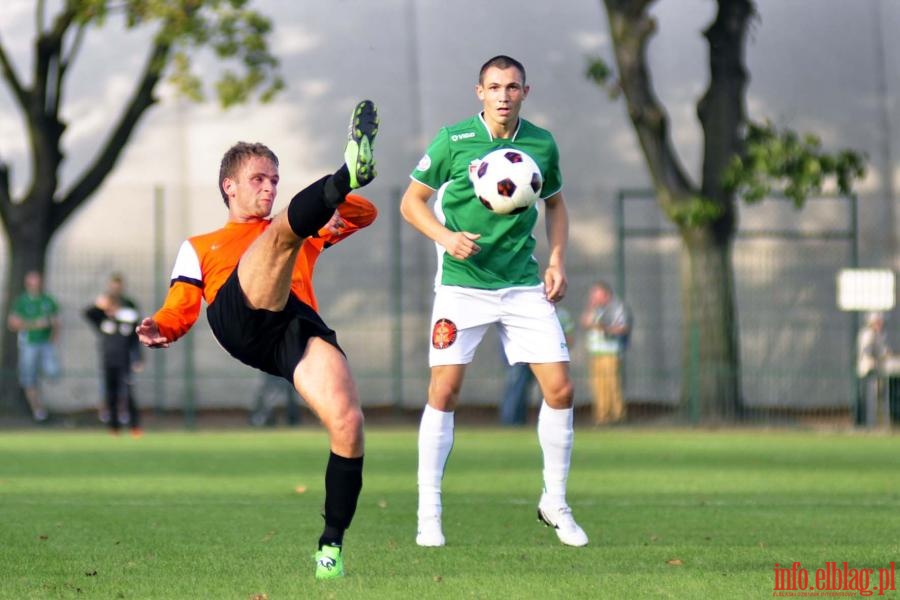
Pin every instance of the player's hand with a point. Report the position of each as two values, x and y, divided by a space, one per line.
555 283
148 334
461 244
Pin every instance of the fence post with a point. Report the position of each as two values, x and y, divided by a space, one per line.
159 292
620 244
856 412
190 383
396 296
694 375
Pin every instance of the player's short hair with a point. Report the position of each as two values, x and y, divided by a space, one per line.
501 61
234 158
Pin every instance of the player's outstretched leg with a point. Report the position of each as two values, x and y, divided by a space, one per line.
358 155
313 206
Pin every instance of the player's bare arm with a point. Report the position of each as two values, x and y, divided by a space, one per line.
555 282
414 208
148 334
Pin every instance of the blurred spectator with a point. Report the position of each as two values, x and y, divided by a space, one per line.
115 288
608 324
115 317
35 317
872 350
520 380
267 398
517 388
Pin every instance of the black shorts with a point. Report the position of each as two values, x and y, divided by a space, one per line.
271 341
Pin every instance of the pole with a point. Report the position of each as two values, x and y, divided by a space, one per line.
856 412
397 305
159 292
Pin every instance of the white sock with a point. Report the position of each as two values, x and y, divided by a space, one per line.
555 435
435 443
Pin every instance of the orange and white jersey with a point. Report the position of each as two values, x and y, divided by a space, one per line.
205 262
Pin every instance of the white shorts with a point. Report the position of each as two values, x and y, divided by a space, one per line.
529 328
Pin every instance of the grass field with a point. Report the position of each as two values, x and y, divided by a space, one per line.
671 514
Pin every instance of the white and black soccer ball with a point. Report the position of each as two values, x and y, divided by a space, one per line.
507 181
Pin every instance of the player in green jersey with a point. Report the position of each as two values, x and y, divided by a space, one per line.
486 276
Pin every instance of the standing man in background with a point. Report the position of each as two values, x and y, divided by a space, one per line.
872 350
35 317
608 324
115 317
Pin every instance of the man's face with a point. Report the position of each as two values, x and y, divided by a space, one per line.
33 282
501 92
114 288
599 295
251 194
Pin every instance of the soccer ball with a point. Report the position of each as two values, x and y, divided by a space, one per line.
507 181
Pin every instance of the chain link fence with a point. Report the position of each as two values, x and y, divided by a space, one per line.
375 290
797 349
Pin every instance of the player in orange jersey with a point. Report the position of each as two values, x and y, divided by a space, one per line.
252 275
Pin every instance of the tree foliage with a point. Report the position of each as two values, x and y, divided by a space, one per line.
773 161
235 34
789 162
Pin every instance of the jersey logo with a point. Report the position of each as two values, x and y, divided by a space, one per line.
444 334
424 163
462 136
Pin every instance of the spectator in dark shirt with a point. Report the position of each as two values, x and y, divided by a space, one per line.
115 317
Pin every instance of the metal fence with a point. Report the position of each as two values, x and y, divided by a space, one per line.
375 290
797 349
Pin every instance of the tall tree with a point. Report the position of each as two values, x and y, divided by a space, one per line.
741 159
235 33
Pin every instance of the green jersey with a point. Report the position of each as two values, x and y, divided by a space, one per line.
41 309
507 244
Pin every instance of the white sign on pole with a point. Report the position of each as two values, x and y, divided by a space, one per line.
866 289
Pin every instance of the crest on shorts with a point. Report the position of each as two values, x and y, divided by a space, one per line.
444 334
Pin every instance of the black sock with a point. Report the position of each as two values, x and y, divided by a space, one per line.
314 205
309 210
337 187
331 536
343 482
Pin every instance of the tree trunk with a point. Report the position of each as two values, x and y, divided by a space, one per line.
26 253
711 361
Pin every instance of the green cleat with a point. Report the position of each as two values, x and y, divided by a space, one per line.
361 140
329 564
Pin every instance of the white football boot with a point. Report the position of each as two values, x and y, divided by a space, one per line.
560 518
430 533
